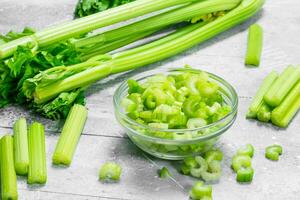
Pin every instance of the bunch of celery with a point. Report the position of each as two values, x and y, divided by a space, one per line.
49 69
278 99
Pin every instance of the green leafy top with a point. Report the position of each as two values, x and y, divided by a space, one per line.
88 7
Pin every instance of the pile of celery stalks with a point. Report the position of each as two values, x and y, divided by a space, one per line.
23 153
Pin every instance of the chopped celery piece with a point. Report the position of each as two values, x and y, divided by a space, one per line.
213 155
37 171
70 135
282 86
273 152
264 113
245 174
164 173
110 172
7 170
201 167
200 191
247 150
240 161
255 43
258 99
213 172
284 113
21 147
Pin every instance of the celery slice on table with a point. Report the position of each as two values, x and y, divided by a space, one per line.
247 150
282 86
110 172
283 114
258 101
37 171
70 135
164 173
200 191
273 152
7 169
21 147
255 43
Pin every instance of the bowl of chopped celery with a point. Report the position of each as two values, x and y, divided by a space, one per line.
177 113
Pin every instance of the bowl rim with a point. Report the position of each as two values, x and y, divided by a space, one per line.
123 86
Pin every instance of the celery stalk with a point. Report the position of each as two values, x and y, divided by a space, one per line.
79 26
282 86
21 147
162 20
255 43
146 55
7 170
264 113
70 135
283 114
37 171
258 101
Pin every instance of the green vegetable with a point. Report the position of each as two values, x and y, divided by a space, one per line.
200 191
88 7
12 35
283 114
70 135
264 113
255 43
37 171
241 164
7 170
110 171
258 101
282 86
245 174
212 155
21 147
164 173
247 150
201 167
51 88
273 152
213 172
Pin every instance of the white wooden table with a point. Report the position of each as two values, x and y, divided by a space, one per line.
103 140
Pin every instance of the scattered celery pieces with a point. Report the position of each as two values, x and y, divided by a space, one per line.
37 171
70 135
164 173
7 171
21 147
255 43
177 101
110 172
278 99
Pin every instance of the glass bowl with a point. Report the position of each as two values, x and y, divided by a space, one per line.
176 149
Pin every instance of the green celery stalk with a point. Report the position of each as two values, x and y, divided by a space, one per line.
89 23
21 147
162 20
7 170
258 101
37 171
144 55
283 114
281 87
70 135
255 43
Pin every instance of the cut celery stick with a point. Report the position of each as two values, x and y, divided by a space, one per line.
37 171
255 43
70 135
282 86
257 101
21 147
264 113
283 114
7 170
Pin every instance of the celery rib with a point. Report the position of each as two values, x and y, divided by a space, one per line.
21 147
255 43
70 135
283 114
282 86
7 171
122 62
37 171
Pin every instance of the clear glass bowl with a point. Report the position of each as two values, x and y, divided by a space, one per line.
142 135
